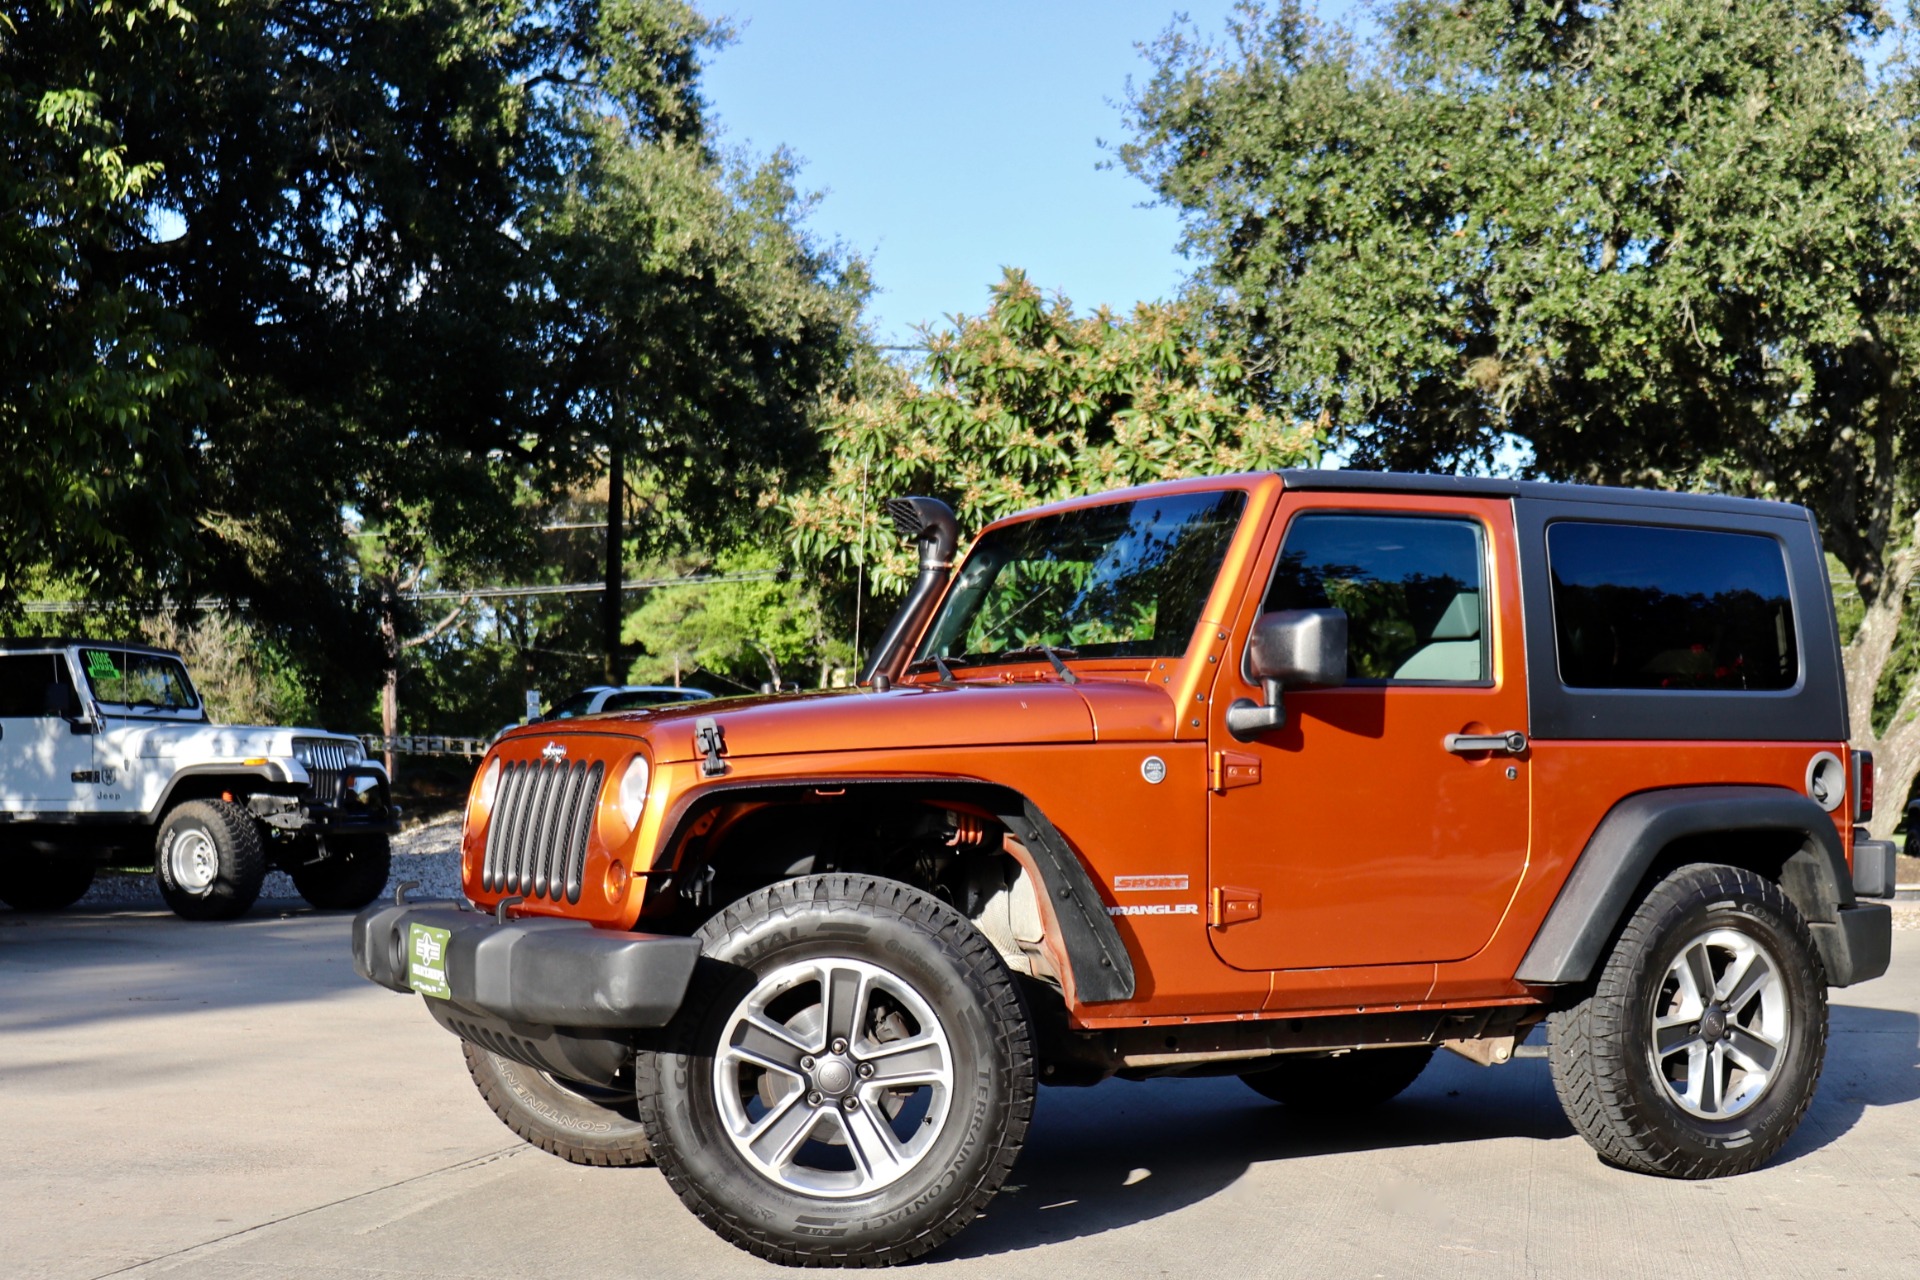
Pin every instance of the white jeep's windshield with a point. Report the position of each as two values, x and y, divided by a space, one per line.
1123 580
138 682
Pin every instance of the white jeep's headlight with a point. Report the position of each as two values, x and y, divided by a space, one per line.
632 795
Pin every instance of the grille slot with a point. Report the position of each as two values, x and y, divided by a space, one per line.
537 840
326 760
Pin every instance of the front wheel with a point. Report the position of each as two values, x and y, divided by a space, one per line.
208 860
580 1123
351 873
1697 1051
850 1076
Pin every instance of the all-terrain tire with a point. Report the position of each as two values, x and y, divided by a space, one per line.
351 875
1349 1082
31 882
582 1124
208 860
861 963
1696 1051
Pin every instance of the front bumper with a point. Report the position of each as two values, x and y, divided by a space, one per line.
559 995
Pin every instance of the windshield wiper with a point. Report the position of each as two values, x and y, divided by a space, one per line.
1053 656
938 664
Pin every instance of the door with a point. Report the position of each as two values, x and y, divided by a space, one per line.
44 765
1364 831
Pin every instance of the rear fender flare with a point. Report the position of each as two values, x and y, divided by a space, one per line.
1606 881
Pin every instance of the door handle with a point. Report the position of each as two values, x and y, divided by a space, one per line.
1511 743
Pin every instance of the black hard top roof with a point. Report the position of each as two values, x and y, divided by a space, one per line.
1533 490
34 644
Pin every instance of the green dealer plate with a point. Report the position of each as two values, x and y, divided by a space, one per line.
427 960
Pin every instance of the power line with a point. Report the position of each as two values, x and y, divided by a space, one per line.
444 593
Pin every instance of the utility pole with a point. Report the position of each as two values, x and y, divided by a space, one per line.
616 571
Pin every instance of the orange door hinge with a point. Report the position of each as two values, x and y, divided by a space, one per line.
1235 769
1234 906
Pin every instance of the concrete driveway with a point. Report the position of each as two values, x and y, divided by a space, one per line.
231 1101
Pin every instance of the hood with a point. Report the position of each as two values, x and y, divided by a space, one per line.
211 741
906 717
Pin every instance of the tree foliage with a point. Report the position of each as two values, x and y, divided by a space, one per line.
1028 403
1669 242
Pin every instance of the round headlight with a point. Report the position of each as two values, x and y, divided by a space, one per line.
633 791
489 785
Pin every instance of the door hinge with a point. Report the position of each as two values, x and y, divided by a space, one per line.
1234 906
1234 769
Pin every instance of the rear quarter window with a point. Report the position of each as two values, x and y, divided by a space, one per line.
1648 607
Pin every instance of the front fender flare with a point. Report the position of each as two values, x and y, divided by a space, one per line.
1101 971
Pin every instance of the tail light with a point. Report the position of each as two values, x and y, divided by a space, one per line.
1862 785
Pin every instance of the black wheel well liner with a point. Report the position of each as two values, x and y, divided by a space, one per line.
1102 971
1770 830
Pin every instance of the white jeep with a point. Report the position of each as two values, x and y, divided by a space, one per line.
107 758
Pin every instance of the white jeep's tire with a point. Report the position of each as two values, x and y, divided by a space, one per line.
208 860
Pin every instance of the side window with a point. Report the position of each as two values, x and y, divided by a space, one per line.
1413 589
1649 607
28 684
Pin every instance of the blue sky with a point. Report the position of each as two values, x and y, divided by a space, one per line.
951 140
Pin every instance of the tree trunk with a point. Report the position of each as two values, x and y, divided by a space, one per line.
390 687
1896 749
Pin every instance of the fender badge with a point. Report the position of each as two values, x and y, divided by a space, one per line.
1154 770
553 751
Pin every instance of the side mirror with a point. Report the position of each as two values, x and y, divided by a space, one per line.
1290 649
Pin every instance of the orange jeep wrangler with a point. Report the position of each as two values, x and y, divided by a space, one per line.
1296 777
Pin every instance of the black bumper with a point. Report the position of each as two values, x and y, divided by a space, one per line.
559 995
565 973
1857 945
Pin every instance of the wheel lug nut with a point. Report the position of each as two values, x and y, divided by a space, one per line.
839 1046
866 1070
813 1098
806 1064
851 1104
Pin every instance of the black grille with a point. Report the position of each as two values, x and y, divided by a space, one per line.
326 760
537 839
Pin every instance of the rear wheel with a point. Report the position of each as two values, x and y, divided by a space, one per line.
351 874
32 882
1697 1051
208 860
1351 1081
580 1123
850 1076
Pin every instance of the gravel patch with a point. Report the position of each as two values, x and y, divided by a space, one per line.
429 853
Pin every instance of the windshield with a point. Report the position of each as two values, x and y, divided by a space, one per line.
138 681
1128 579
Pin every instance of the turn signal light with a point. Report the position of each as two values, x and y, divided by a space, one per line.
618 879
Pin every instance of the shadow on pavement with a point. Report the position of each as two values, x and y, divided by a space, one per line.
1122 1153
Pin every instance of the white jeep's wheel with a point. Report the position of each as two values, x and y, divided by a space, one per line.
208 860
850 1076
350 874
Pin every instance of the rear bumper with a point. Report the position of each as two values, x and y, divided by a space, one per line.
1857 945
562 973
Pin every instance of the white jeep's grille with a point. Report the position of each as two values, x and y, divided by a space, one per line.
326 760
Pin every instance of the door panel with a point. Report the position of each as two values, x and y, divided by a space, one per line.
39 753
1366 840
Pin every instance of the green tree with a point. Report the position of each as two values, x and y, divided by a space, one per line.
756 622
1025 404
1667 242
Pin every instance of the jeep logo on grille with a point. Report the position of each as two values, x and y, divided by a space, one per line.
553 751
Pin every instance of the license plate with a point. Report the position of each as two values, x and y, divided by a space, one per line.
427 960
